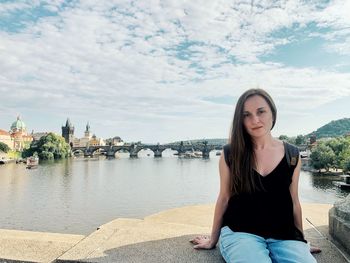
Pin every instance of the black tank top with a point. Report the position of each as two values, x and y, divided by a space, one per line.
268 212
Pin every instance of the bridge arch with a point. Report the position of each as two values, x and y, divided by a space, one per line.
98 150
78 152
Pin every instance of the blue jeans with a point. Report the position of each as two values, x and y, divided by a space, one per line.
240 247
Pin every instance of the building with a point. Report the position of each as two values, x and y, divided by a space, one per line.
87 133
37 135
68 132
88 139
18 133
115 141
313 138
5 137
94 141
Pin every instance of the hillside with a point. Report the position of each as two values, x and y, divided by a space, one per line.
333 129
210 141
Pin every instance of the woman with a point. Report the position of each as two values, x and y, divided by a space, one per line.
257 214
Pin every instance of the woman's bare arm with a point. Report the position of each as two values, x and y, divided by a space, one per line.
202 242
296 204
295 197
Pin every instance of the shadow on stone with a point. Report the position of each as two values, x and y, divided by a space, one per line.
331 250
177 249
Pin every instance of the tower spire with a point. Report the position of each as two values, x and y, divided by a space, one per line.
87 127
68 132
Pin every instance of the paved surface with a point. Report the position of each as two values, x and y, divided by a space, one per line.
27 246
163 237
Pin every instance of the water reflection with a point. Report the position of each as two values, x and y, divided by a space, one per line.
77 195
323 182
318 188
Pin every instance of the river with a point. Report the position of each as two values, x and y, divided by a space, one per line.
78 195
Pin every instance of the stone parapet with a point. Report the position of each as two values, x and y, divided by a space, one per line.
339 222
162 237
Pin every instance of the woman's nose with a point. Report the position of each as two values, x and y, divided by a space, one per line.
255 119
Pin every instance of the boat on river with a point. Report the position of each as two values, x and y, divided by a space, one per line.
32 162
343 185
191 154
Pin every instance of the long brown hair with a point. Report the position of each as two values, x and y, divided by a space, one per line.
242 155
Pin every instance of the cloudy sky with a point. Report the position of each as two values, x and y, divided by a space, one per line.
159 71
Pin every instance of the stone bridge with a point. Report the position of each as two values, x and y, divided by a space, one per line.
157 149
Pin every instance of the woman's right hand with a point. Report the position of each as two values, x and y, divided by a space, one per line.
202 242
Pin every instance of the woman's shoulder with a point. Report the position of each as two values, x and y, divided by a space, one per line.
290 148
292 154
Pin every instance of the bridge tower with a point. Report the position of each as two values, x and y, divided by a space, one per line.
68 132
206 150
88 131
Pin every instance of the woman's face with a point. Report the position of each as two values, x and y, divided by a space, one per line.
257 116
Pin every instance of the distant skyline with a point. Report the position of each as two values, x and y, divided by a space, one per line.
161 71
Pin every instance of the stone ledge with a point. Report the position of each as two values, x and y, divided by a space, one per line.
162 237
339 223
28 246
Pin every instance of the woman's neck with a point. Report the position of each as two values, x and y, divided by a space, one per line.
263 142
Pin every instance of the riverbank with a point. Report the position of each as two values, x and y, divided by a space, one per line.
324 172
162 237
5 161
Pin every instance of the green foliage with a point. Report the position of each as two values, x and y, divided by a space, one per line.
4 147
14 154
340 146
334 129
322 157
346 165
26 145
50 146
332 153
285 138
344 159
300 139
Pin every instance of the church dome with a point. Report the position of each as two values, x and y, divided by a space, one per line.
18 125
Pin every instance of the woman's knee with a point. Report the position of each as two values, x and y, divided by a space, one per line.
241 247
290 251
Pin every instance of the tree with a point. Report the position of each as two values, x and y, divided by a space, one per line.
346 165
338 144
322 157
340 147
4 147
300 139
344 159
283 137
50 146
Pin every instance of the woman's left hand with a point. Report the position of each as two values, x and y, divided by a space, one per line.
202 242
315 250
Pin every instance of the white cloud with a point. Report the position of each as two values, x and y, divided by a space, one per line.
10 7
151 63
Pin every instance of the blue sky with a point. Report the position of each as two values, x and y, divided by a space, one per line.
159 71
